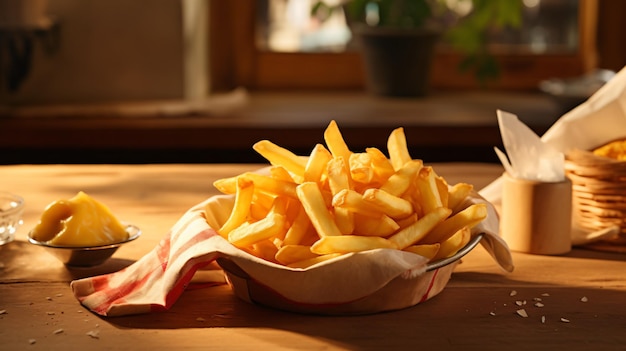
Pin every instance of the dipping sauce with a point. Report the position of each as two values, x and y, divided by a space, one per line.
78 222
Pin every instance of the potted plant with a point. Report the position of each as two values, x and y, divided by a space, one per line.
398 37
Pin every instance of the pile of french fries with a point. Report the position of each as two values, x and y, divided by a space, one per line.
335 201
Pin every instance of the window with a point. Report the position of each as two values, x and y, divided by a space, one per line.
270 44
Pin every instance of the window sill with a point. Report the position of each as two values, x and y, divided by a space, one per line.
445 126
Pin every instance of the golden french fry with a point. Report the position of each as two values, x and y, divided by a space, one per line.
380 164
382 226
298 229
265 249
354 202
349 243
469 217
361 170
412 195
316 165
391 205
338 179
263 200
427 250
313 202
312 261
289 254
271 185
418 230
428 191
280 173
442 188
335 142
279 208
241 207
338 176
250 233
454 243
405 222
344 219
400 181
280 156
398 151
226 185
457 195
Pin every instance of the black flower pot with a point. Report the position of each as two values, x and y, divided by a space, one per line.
397 61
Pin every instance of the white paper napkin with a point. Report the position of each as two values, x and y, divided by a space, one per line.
529 157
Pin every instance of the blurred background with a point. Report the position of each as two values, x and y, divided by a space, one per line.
139 81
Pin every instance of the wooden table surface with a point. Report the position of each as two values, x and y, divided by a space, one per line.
476 311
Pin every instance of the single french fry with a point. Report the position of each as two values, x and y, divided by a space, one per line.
289 254
469 217
418 230
298 229
265 249
428 191
382 226
257 212
279 208
412 195
271 185
335 142
380 164
454 243
442 188
457 195
338 176
391 205
361 170
249 233
427 250
312 261
241 207
263 200
313 202
226 185
344 219
316 165
398 151
405 222
338 179
281 173
349 243
354 202
400 181
280 156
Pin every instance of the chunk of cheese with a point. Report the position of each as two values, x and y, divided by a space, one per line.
79 221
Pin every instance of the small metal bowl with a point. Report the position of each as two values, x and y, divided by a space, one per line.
87 256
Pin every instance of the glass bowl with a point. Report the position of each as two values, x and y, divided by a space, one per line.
11 209
87 256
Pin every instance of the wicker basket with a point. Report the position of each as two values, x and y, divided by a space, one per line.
598 192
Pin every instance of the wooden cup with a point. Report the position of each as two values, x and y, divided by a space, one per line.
536 216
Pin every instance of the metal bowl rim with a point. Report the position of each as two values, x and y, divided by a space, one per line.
133 231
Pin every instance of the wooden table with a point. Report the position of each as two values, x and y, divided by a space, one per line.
476 311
